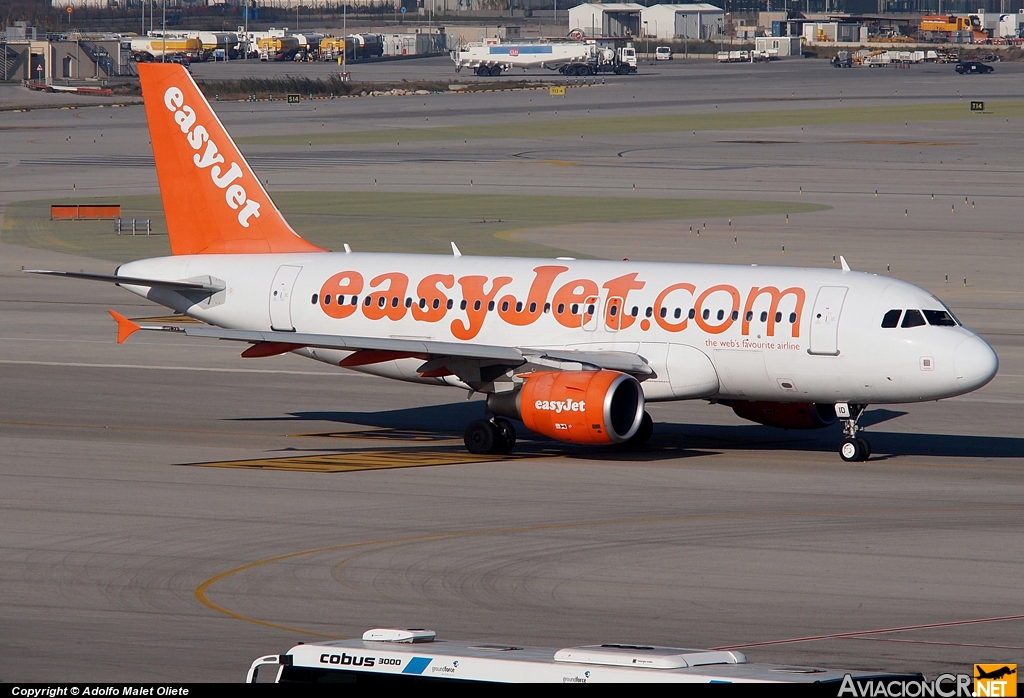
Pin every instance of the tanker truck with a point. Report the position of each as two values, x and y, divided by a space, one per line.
492 58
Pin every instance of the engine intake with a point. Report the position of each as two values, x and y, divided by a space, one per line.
785 415
582 407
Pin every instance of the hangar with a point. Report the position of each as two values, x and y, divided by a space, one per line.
607 19
691 21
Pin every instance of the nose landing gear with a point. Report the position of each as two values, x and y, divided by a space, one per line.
854 448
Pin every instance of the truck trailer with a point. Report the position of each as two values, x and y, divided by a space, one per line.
567 57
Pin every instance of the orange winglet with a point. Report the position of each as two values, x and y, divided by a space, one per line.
125 327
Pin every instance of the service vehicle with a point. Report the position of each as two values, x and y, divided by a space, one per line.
973 68
590 57
278 48
145 49
414 656
663 53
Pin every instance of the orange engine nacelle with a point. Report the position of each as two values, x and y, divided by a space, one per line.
580 407
785 415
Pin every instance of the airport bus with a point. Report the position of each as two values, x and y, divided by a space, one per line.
388 655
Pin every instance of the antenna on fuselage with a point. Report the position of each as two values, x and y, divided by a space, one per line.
455 249
842 260
348 250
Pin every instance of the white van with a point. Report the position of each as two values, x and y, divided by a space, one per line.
663 53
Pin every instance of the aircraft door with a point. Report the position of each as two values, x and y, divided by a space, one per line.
591 312
281 298
825 320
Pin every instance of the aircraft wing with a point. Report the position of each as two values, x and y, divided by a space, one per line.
467 361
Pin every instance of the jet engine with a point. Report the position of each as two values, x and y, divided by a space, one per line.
785 415
582 407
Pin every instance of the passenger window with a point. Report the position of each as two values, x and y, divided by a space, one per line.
519 306
355 300
663 312
408 302
315 298
423 303
561 308
462 305
635 312
913 318
490 306
366 302
778 317
764 316
792 318
649 312
504 306
613 311
547 307
750 315
721 314
678 313
533 307
940 318
590 309
892 318
437 303
327 299
692 314
450 304
735 315
476 305
706 314
575 308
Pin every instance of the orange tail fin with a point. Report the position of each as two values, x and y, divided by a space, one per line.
213 202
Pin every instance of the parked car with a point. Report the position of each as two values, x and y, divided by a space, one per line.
663 53
966 67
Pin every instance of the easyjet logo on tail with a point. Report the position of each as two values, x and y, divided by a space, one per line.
209 158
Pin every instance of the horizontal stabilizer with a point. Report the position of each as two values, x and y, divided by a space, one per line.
134 281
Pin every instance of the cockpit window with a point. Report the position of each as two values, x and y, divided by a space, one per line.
892 318
940 318
913 318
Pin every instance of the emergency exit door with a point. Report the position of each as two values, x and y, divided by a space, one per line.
825 320
281 298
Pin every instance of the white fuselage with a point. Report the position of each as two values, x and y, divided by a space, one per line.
712 331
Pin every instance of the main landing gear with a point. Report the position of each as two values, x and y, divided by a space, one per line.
495 436
854 448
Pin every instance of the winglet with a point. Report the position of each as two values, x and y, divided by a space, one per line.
125 327
455 250
842 260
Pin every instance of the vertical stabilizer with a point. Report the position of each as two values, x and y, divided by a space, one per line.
213 202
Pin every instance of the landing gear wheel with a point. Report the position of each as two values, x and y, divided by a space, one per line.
481 436
851 451
506 436
643 434
865 447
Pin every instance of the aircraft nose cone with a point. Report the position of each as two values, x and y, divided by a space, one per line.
975 363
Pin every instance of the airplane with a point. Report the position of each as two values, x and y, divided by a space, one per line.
995 674
574 349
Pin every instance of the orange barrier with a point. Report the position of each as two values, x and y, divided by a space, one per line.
85 212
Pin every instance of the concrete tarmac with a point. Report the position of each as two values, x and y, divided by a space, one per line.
165 513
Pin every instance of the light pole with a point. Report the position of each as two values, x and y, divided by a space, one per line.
163 31
648 35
